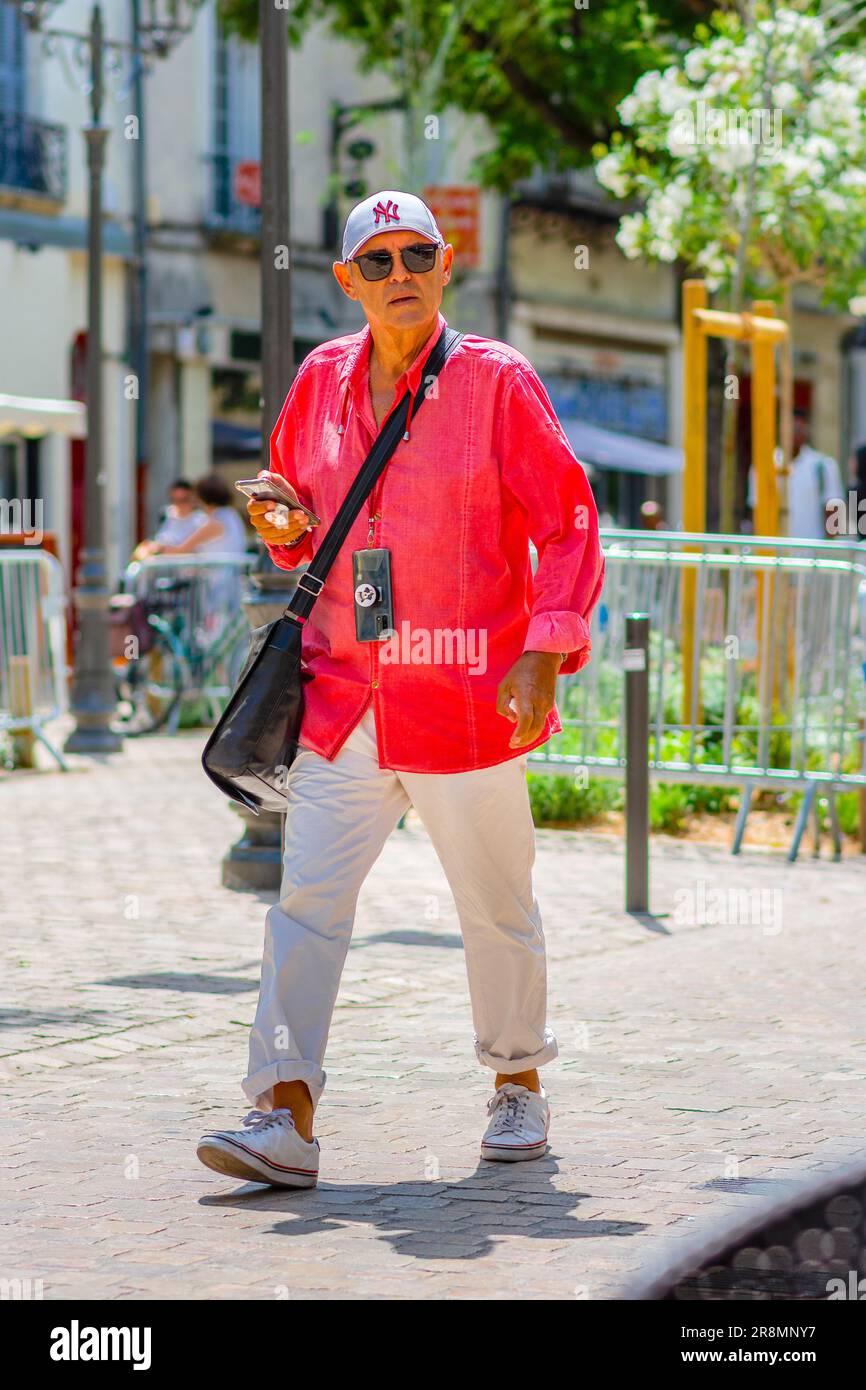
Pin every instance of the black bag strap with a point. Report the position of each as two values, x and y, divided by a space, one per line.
312 581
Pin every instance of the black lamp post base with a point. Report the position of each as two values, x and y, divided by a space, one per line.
255 863
92 738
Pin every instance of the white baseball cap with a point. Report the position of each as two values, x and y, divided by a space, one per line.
387 211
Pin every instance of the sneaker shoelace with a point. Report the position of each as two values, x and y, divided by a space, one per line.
260 1120
510 1110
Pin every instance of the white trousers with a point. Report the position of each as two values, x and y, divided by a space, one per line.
339 816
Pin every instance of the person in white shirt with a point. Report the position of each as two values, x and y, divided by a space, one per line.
221 529
222 534
814 482
182 518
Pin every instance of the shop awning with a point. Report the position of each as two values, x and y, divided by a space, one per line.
608 449
34 416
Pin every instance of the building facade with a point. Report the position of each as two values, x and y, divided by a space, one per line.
540 269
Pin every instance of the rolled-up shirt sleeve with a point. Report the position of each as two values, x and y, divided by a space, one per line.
540 470
284 444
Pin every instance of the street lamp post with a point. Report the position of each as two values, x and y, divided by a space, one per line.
278 358
256 860
93 700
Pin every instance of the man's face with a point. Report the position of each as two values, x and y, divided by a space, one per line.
181 500
404 299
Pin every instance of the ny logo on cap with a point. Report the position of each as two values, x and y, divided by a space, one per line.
389 213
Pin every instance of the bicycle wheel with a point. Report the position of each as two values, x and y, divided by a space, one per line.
221 670
151 689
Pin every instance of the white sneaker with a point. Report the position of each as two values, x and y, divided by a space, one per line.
519 1123
268 1149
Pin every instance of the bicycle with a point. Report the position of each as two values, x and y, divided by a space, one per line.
196 656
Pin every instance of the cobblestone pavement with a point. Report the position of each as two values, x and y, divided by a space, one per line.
708 1058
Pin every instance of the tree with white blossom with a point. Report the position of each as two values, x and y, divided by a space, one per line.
748 158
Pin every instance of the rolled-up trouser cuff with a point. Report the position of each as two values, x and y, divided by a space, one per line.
511 1066
257 1088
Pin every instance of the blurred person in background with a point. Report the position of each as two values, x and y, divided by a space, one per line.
857 480
180 519
815 482
221 530
814 485
221 534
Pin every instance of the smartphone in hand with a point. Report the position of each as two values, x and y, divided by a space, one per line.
274 488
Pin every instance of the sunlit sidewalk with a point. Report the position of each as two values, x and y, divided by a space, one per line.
708 1057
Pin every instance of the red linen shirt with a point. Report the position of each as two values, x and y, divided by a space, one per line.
486 467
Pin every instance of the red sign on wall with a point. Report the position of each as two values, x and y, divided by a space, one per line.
248 182
457 209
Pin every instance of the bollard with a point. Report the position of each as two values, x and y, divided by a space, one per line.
636 666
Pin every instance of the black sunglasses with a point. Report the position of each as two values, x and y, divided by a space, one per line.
376 265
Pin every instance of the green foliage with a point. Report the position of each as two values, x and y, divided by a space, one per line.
710 800
545 74
561 798
558 799
7 759
848 812
752 201
669 807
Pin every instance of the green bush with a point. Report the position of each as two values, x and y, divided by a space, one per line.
669 807
849 815
711 800
562 798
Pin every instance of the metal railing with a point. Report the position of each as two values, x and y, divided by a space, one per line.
33 156
33 670
757 665
199 635
207 589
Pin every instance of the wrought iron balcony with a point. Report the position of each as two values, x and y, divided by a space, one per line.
32 156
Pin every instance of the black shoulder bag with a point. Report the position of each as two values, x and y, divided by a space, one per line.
249 753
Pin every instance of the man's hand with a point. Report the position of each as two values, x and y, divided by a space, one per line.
531 682
258 513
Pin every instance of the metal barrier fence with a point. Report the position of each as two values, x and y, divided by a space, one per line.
198 638
206 590
33 671
757 664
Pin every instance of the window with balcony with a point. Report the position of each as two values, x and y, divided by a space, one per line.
236 140
32 153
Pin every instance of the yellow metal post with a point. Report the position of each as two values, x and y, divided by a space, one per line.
767 509
694 408
762 330
764 427
695 461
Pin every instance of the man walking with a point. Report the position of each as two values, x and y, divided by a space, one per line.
441 710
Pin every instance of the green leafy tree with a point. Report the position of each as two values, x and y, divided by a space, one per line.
747 157
546 74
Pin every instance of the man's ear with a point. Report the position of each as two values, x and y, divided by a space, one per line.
343 277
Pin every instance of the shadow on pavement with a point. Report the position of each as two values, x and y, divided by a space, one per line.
436 1218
